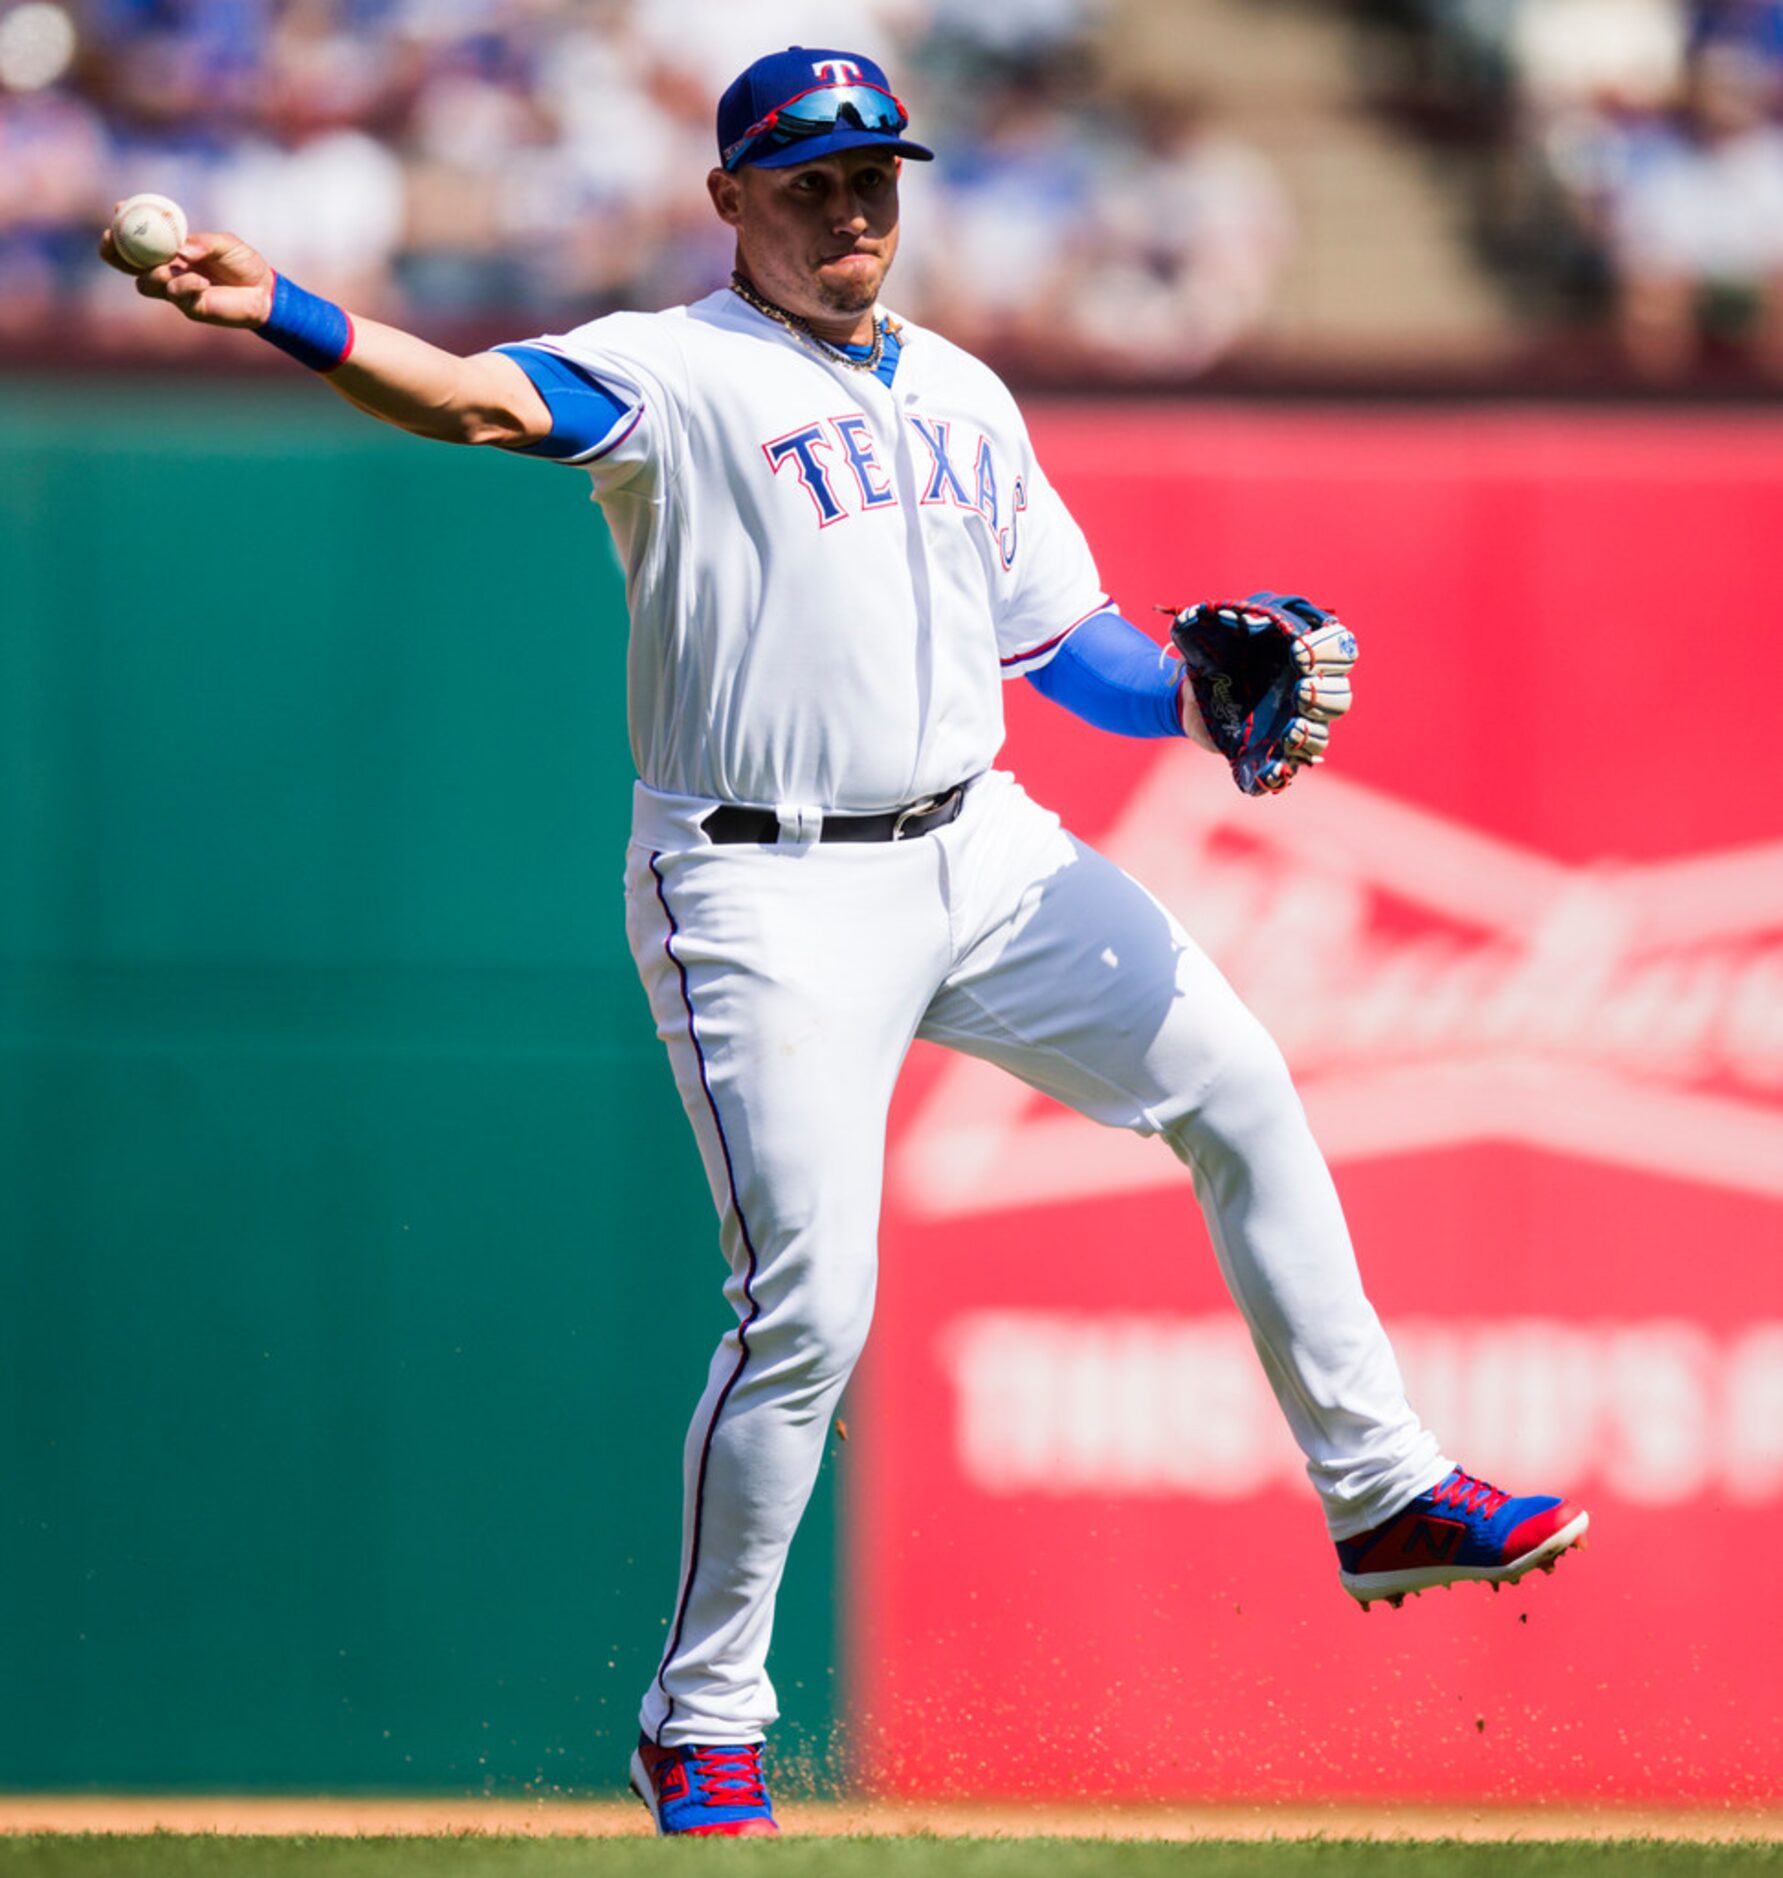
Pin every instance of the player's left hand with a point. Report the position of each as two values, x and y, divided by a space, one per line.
1267 676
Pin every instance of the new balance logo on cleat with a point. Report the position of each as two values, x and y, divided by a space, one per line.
1462 1531
704 1792
1438 1539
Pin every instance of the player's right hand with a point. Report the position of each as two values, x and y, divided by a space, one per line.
216 279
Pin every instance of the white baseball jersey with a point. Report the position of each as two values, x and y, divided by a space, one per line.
752 474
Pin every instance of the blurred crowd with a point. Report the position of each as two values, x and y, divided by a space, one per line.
499 167
1635 159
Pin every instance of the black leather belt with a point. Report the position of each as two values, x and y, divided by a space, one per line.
729 823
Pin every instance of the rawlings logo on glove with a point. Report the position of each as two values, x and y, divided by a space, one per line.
1269 674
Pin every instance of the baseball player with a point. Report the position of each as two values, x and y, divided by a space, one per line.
838 546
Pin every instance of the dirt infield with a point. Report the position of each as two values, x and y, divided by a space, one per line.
346 1818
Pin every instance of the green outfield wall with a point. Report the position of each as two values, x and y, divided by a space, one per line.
357 1272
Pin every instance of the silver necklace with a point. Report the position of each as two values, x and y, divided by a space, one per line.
799 330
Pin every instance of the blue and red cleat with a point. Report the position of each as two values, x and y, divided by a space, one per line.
1460 1532
714 1792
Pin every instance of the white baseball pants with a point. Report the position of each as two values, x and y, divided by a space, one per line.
788 983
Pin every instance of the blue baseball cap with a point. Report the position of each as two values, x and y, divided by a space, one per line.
808 102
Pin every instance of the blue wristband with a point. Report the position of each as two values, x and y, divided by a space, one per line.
314 331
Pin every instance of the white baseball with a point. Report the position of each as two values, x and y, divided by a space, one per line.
147 230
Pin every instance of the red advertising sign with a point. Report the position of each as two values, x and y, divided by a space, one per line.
1522 941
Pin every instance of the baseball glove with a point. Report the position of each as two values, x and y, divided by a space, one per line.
1269 673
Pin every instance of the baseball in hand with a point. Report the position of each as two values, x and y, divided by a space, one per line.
148 230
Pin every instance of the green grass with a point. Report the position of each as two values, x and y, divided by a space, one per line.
173 1855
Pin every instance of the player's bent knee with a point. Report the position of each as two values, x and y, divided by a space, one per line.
812 1344
1251 1098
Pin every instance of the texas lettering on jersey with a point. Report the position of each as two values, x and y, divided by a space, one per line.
834 461
739 688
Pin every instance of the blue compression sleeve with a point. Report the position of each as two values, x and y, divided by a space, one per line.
584 412
1111 675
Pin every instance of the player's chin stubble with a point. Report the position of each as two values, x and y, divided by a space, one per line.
850 299
853 295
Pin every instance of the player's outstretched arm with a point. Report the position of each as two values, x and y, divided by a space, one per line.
218 280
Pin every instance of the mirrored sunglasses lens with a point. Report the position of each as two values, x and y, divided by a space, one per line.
823 110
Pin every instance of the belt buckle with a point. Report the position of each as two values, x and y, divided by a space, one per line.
925 807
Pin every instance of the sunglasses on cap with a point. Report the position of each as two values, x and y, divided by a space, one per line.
816 112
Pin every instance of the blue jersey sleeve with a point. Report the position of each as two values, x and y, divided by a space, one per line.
587 416
1112 675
